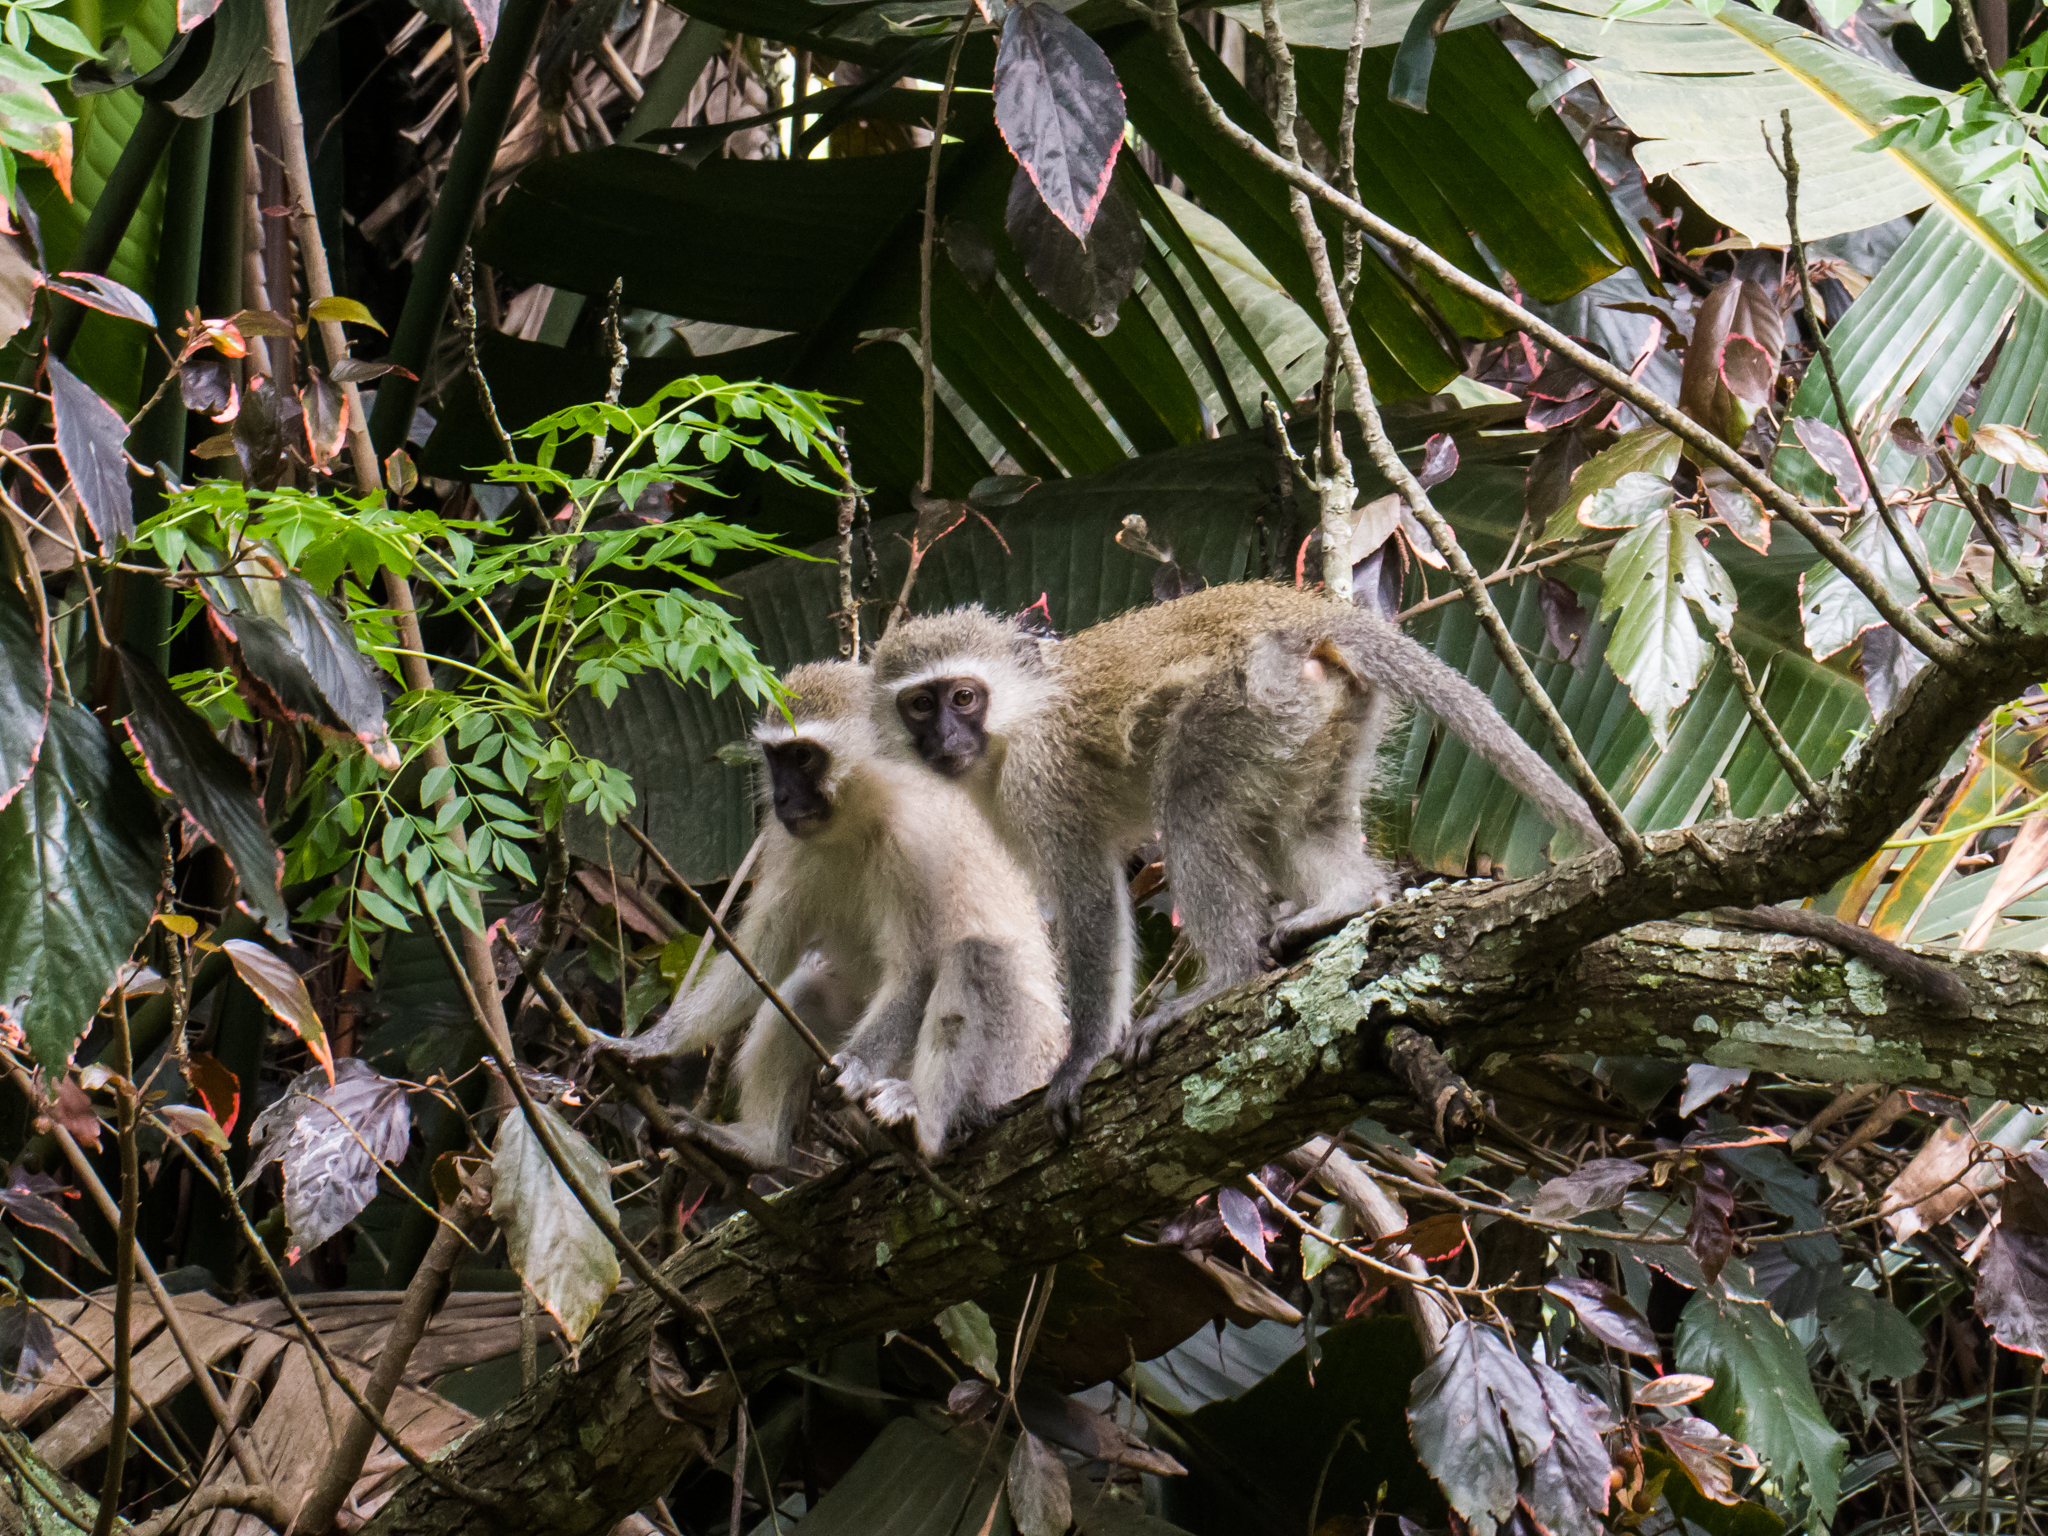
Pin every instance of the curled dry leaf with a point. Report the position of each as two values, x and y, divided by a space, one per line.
1672 1390
562 1255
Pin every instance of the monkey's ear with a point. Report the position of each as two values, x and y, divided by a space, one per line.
1035 622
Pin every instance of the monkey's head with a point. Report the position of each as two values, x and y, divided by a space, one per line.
950 686
812 753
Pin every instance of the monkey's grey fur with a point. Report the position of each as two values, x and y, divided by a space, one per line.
899 929
1241 724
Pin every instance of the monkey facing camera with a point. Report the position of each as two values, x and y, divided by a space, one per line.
892 921
1240 724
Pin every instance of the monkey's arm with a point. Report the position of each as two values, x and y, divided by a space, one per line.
1940 987
1093 931
882 1044
725 999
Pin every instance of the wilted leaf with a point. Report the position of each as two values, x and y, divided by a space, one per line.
2009 445
1703 1083
361 370
1763 1394
206 383
330 1137
1241 1219
28 1345
561 1254
1708 1457
277 985
81 860
1606 1315
72 1109
1060 110
1041 1500
968 1333
1868 1336
1085 280
261 442
90 438
26 1198
215 788
1672 1389
1476 1415
1597 1185
24 691
1434 1238
218 1088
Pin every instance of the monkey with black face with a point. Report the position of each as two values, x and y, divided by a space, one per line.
897 927
1238 724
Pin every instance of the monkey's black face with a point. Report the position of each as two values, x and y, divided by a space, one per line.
796 778
948 722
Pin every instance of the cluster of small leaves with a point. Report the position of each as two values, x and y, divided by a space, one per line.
2001 157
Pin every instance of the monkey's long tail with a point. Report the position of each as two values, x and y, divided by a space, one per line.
1940 986
1382 655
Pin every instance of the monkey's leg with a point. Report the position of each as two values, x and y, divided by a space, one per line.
882 1044
1097 947
974 1026
775 1067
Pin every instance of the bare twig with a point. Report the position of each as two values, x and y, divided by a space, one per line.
425 1293
483 1498
1707 444
1974 505
1753 702
1513 573
1388 462
124 1271
463 281
615 379
924 250
1972 37
251 1499
1916 558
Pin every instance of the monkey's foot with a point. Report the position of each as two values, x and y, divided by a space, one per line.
891 1101
1293 934
1145 1033
729 1146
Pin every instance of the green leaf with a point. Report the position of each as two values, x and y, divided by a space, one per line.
336 308
1831 610
562 1255
25 683
1868 1336
967 1332
1654 576
81 862
1763 1395
1647 450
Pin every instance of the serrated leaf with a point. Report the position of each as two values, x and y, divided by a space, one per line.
1476 1415
1868 1336
565 1259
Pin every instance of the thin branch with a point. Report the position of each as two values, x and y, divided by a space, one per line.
1708 445
1972 38
615 379
463 281
1513 573
483 1498
1388 463
1973 504
924 251
124 1272
422 1297
1915 558
247 1498
1753 702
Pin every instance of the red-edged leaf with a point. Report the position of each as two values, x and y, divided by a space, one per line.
38 127
1606 1315
273 981
1708 1457
1432 1239
401 475
1732 1136
206 383
218 1088
1703 1082
193 12
26 1198
360 370
1749 372
326 408
1060 110
1241 1217
1673 1389
25 682
216 789
90 438
1831 451
1742 512
103 294
1439 460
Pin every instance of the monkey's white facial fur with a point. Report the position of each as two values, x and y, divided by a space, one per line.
807 768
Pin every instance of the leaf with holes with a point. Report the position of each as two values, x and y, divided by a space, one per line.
562 1255
215 788
91 437
25 681
1831 610
1606 1315
1060 110
81 859
331 1135
1654 577
278 986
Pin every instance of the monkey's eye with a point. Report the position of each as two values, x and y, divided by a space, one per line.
919 704
802 757
963 698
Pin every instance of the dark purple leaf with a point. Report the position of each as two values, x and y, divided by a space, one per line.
1085 280
1749 372
967 243
1606 1315
26 1199
81 857
1908 439
326 413
24 691
1565 621
1742 512
1703 1082
104 295
971 1399
1595 1186
1241 1216
1888 665
1711 1234
188 762
1566 1487
1548 415
1551 471
1742 309
1439 460
330 1139
1060 110
260 437
206 383
1475 1414
360 370
90 439
1377 580
28 1345
1831 451
2012 1277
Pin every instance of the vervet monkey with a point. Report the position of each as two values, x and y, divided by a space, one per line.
897 927
1238 724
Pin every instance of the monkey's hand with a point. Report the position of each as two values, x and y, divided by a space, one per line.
846 1080
1063 1096
891 1101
